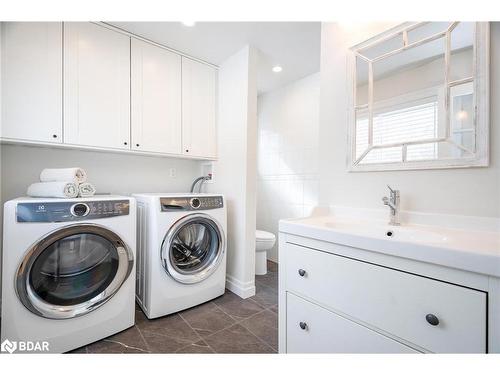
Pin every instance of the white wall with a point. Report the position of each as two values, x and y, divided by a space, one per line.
235 171
287 184
472 191
110 172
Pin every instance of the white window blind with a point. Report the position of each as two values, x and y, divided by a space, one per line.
402 123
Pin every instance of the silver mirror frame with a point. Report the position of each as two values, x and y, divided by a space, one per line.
480 79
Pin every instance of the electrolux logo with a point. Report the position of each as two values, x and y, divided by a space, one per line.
24 346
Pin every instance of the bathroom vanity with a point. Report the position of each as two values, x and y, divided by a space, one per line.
353 283
362 286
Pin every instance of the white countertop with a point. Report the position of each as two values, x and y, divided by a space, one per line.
469 250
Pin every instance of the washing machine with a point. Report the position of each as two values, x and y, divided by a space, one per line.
68 271
181 251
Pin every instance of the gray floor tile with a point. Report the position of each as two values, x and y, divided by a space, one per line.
207 318
128 341
140 318
107 347
274 309
265 296
264 325
236 307
157 343
171 325
270 280
199 347
237 339
214 321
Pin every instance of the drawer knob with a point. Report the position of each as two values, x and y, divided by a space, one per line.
302 272
303 325
432 319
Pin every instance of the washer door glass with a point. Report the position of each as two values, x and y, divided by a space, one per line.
193 248
73 271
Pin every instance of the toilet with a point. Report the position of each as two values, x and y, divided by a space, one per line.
263 241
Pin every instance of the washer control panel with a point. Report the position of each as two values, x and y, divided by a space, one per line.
195 203
54 212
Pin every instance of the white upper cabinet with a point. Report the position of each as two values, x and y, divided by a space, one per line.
96 86
31 60
86 85
155 99
199 91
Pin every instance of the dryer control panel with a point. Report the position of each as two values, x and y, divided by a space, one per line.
54 212
191 203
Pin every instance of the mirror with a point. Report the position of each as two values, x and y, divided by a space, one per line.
419 98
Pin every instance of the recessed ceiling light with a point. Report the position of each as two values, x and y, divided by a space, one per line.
189 23
277 69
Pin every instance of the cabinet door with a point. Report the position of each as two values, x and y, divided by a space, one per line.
96 86
198 109
31 81
156 99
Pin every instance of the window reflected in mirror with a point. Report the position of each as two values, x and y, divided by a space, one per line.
415 96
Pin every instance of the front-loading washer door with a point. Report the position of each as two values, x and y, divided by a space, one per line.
193 248
73 271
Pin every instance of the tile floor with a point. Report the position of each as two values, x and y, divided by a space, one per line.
227 324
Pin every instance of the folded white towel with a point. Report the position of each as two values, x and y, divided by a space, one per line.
76 175
86 189
53 189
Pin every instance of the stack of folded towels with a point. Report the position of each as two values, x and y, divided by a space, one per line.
62 183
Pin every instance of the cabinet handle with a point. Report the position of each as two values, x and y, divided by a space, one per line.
187 150
137 144
54 135
432 319
125 143
302 272
303 325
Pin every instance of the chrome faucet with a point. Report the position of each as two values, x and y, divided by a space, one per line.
393 203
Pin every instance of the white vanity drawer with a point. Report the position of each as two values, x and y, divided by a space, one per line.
391 300
313 329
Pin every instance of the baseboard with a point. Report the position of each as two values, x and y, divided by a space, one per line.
242 289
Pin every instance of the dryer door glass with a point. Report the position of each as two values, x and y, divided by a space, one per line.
73 271
193 248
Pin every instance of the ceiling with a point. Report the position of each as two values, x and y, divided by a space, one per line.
295 46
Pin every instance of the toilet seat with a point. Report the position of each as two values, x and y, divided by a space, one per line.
263 236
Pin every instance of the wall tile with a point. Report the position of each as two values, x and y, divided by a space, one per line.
287 153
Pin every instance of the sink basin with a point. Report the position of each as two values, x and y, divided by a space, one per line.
396 233
415 235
